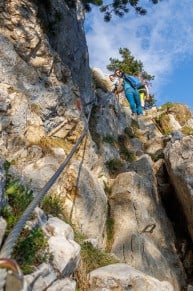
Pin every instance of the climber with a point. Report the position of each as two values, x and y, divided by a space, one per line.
131 93
115 82
143 93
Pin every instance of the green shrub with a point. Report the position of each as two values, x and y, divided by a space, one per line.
157 156
30 250
91 259
52 204
114 166
18 197
129 132
94 258
134 124
127 154
187 130
167 106
109 139
109 229
107 189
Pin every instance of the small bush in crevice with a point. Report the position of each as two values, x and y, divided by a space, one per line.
48 143
166 106
52 204
157 156
163 122
109 139
129 131
187 130
134 124
107 189
91 259
109 229
124 152
31 246
30 250
114 166
18 197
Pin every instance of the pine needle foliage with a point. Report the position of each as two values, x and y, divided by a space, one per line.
117 7
129 65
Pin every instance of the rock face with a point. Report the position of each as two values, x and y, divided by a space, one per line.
2 184
141 228
66 35
179 162
124 277
65 258
45 87
86 204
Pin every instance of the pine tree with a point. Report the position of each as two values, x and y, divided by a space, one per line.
117 7
128 64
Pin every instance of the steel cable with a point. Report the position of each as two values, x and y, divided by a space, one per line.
13 235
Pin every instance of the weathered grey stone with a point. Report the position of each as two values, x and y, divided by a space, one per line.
39 220
124 277
101 80
108 118
44 75
65 253
190 287
75 54
39 172
63 285
154 145
3 225
55 226
41 278
85 202
2 184
149 127
189 123
176 135
179 163
143 236
173 123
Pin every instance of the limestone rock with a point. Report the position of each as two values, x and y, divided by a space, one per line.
174 117
3 225
102 81
65 284
85 202
154 145
179 163
66 254
143 236
39 172
55 226
2 184
41 278
124 277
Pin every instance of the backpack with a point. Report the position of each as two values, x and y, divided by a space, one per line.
134 82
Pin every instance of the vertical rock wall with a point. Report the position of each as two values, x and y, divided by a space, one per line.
64 27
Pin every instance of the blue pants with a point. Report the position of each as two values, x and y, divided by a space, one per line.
133 98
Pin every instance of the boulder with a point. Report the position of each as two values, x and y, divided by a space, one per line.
179 163
124 277
143 236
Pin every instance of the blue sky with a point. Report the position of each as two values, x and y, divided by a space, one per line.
162 40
